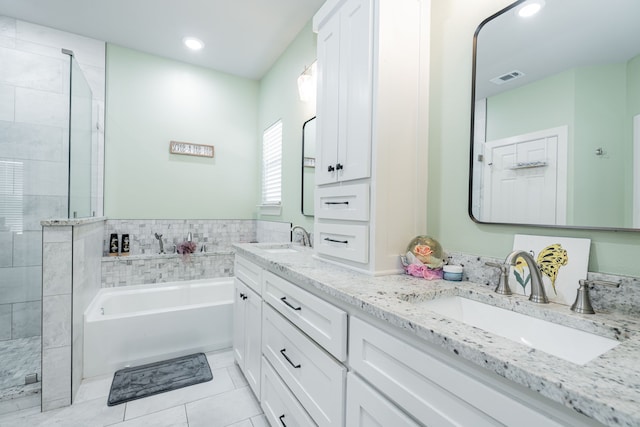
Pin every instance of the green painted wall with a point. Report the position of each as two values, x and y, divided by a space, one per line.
540 105
600 106
151 101
279 100
454 22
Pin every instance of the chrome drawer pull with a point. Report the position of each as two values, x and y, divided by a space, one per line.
288 304
345 242
282 352
282 422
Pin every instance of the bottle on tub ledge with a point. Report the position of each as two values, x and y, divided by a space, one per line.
113 245
125 246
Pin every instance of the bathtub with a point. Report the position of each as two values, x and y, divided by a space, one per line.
133 325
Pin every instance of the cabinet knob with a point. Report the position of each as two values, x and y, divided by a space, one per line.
331 168
339 166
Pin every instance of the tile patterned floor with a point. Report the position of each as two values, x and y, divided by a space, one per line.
226 401
18 358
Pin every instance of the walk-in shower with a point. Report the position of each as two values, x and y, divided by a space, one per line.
45 172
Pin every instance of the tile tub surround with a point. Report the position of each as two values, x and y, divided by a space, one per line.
606 388
143 269
144 264
217 235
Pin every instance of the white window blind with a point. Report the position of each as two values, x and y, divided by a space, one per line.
11 196
272 164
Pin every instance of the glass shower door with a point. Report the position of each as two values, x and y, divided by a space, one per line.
80 131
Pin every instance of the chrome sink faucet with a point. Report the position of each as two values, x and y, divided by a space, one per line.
306 239
538 293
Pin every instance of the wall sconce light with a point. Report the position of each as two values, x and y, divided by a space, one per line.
307 83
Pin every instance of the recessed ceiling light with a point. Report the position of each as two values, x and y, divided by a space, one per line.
193 43
530 8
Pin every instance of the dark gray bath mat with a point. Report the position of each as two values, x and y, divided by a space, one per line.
146 380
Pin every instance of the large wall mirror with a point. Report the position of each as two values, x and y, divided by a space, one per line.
556 115
308 165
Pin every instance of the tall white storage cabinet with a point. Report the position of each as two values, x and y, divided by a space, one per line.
373 69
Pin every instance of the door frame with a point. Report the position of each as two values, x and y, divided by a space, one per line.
562 166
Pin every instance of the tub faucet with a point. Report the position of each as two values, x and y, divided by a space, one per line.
159 237
306 239
538 293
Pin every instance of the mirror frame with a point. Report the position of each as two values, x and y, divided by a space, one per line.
302 166
472 154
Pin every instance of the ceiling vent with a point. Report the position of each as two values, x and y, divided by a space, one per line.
515 74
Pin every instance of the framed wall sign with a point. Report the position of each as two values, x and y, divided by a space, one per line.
189 149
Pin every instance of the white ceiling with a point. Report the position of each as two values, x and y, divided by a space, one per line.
565 34
242 37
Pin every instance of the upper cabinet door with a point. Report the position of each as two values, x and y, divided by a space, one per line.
345 94
328 101
356 84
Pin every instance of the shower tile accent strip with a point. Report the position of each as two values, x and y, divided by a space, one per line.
145 265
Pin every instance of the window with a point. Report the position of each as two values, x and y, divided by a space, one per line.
272 164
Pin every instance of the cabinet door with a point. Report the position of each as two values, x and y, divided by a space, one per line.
368 408
356 87
238 322
280 407
253 340
328 100
345 87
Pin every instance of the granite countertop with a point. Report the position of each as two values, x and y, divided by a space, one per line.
606 388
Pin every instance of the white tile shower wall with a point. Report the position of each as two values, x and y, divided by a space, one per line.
33 134
72 256
145 265
57 244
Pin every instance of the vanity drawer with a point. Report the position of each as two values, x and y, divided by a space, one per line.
350 242
321 321
368 408
249 273
348 202
436 392
313 376
278 404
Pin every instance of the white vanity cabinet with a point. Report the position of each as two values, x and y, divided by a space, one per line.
368 408
247 322
304 339
438 391
372 116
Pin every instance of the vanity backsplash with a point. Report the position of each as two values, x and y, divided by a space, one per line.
624 299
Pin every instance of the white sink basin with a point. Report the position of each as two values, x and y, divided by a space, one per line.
570 344
280 251
278 248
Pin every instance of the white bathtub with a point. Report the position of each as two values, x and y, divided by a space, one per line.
140 324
